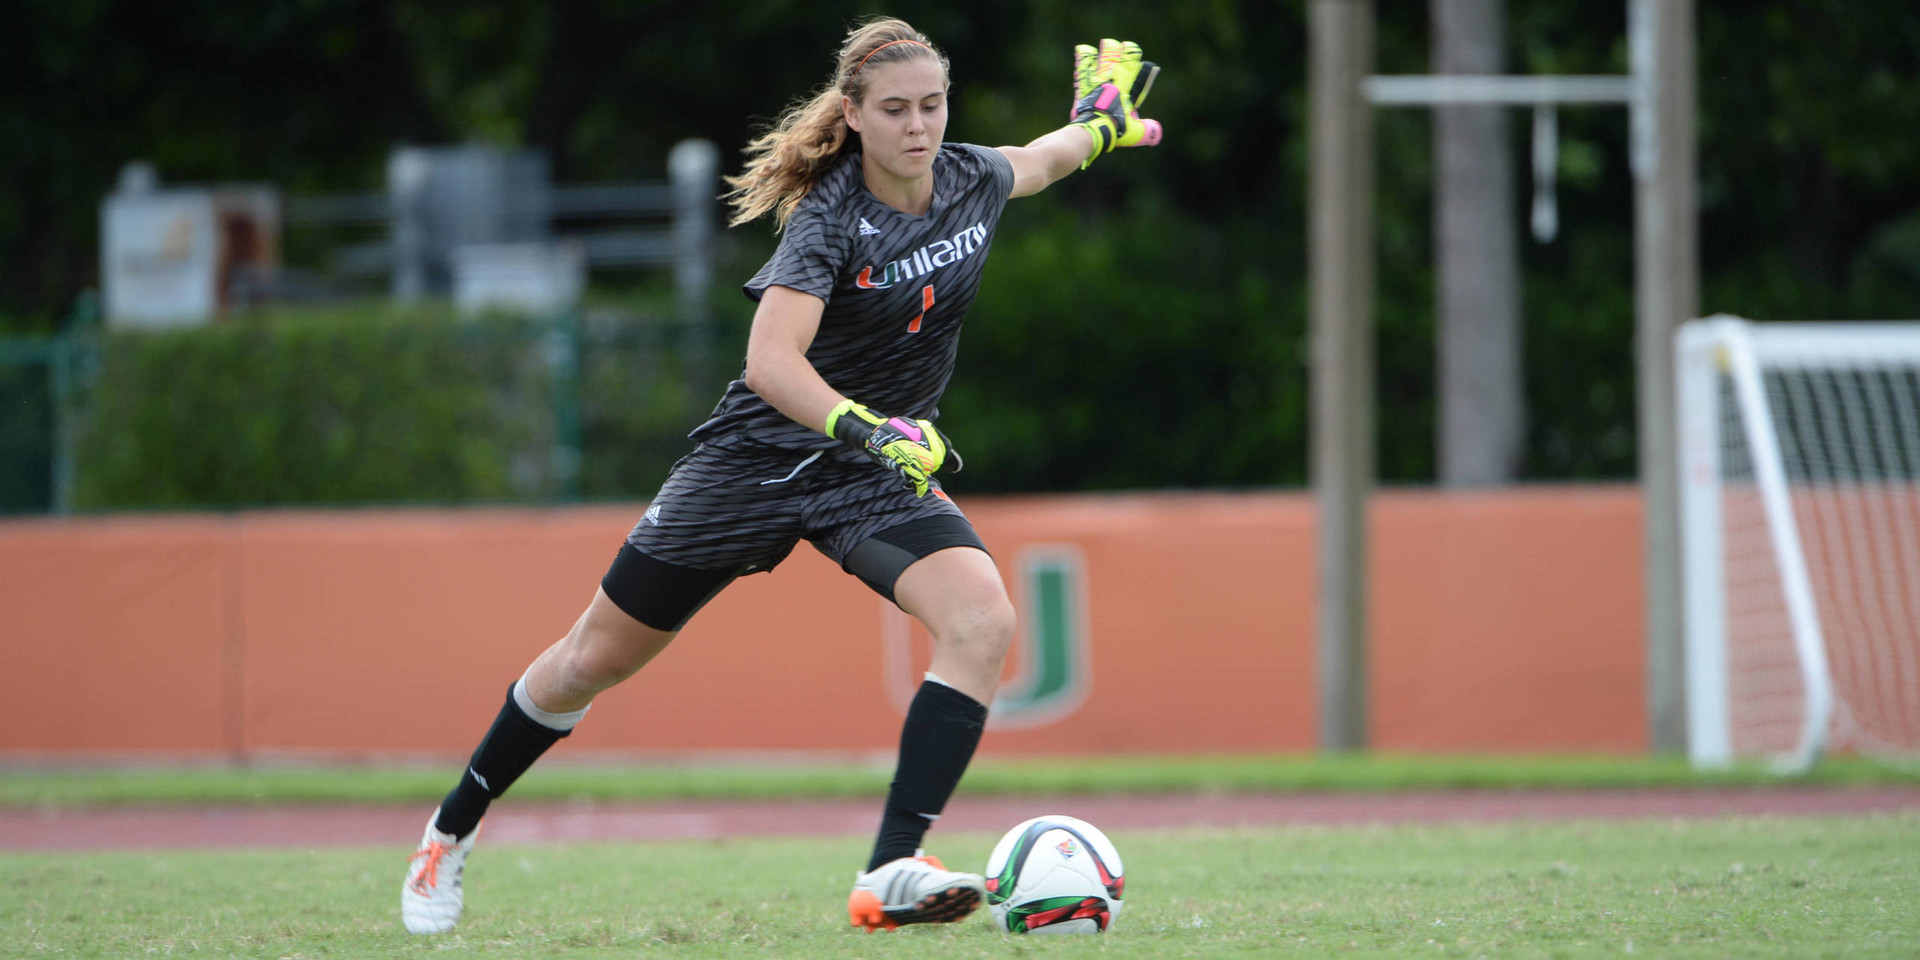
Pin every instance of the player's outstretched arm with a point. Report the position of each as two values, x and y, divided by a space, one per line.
1109 84
1046 160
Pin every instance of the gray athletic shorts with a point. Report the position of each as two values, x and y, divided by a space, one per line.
733 507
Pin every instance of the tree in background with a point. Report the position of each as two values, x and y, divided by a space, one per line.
1481 412
1810 187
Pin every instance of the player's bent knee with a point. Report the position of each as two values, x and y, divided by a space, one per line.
982 633
997 623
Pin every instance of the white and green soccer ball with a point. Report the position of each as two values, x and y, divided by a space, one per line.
1055 874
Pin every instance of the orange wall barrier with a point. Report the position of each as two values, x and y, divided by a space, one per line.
1507 621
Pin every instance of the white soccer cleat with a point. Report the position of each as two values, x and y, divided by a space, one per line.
913 890
431 899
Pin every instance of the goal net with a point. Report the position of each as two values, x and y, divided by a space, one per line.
1800 533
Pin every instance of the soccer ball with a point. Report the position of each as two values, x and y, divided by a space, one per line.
1054 874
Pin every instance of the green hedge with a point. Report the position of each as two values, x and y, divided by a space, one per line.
26 437
1092 360
371 405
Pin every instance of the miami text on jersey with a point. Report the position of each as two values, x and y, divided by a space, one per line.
930 257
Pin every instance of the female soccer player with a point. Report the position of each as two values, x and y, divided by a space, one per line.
828 437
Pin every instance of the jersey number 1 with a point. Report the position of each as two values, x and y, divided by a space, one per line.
926 303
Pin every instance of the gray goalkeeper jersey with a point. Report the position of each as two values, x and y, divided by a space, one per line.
896 286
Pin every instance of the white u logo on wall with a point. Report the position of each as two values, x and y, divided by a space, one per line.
1051 657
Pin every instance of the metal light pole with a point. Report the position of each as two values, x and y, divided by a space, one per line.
1666 294
1341 201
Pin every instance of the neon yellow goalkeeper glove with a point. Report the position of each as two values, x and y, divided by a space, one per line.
913 449
1087 73
1110 83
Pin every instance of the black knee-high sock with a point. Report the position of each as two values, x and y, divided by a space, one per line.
942 729
511 746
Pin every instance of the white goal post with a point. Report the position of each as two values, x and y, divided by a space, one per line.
1800 538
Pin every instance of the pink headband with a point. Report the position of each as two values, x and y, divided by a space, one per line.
869 56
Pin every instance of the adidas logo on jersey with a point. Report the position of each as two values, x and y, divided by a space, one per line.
868 229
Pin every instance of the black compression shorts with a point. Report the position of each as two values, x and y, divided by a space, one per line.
733 507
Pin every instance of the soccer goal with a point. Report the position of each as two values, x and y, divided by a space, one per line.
1800 537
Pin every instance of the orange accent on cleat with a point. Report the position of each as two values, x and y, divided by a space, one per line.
429 875
915 889
431 899
434 852
863 910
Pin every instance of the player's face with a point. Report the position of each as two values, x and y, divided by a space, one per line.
904 117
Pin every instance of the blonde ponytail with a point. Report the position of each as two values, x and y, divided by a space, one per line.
785 162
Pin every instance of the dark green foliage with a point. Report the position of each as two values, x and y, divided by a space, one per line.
26 438
365 407
1141 388
643 386
1148 316
343 409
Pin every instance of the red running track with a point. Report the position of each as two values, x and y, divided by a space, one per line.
149 827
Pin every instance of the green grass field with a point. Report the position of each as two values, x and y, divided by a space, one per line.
1798 887
1771 887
